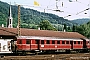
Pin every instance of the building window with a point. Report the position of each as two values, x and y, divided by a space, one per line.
20 42
53 42
67 42
4 47
74 42
63 42
58 42
10 21
78 42
47 42
42 41
27 41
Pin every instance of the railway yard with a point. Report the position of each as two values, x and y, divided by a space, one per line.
47 45
78 56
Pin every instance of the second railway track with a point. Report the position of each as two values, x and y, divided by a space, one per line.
78 56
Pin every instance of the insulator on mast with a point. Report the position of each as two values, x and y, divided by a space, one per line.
62 4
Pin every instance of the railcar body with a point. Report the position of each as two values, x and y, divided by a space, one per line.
37 44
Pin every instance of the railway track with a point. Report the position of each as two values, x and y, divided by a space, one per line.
78 56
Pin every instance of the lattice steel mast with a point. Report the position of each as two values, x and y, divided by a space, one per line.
19 30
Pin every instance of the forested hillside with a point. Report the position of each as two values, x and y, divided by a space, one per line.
29 16
81 21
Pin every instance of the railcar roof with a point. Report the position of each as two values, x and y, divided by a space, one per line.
42 33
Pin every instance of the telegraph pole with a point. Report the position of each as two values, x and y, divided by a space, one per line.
19 30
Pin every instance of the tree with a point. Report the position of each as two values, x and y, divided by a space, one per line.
84 30
46 25
69 29
74 28
65 27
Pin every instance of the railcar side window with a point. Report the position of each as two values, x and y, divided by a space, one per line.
67 42
58 42
53 42
36 41
74 42
47 42
42 41
20 42
27 41
63 42
78 42
81 42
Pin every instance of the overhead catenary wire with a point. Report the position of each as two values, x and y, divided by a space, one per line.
82 11
59 10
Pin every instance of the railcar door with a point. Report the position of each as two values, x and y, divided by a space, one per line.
71 42
38 44
84 44
28 44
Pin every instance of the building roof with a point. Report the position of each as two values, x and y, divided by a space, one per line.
42 33
5 32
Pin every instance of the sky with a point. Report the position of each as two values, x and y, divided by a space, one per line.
68 8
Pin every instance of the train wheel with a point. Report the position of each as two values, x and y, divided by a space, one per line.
67 51
24 53
77 51
36 53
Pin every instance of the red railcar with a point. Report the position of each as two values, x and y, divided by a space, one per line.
40 44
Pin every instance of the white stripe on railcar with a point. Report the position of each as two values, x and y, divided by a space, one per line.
46 38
